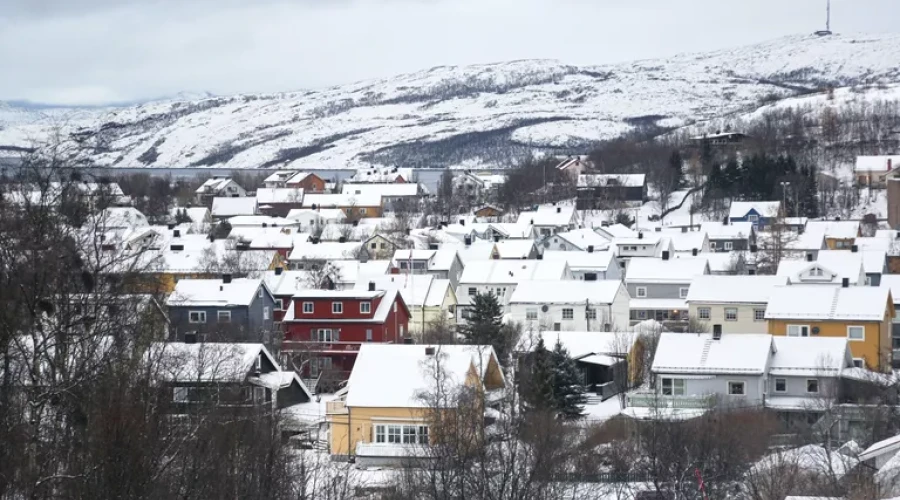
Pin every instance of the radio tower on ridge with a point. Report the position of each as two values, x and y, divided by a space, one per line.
827 30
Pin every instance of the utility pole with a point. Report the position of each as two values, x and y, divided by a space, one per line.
828 17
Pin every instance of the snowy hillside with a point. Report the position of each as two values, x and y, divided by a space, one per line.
476 115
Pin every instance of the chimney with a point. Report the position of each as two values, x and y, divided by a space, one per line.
725 221
468 240
717 332
265 224
355 223
665 255
432 246
890 164
559 210
640 235
176 248
226 278
279 270
854 248
845 282
371 286
429 351
753 249
171 226
342 239
496 238
590 248
694 252
462 222
540 256
176 233
809 257
684 229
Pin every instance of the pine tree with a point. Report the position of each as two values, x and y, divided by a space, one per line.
484 325
676 164
568 392
538 389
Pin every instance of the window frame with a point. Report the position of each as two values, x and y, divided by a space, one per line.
201 317
734 309
638 294
590 313
365 307
859 362
784 384
707 310
531 314
568 313
181 394
337 308
742 384
369 335
683 292
219 315
759 317
267 314
815 381
728 246
473 291
787 330
854 339
400 434
312 307
677 386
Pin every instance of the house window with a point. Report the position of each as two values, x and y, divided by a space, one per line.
729 245
362 211
557 327
326 335
642 314
856 333
673 387
374 246
712 245
337 307
683 292
266 313
259 293
859 363
590 313
641 291
319 365
197 317
531 313
780 385
223 317
798 330
472 291
307 308
736 389
753 218
401 434
703 312
403 264
812 386
365 307
368 335
759 315
731 314
568 313
259 394
181 394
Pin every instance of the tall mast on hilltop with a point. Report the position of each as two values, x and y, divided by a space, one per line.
827 30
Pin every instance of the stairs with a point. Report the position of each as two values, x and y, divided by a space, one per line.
592 399
705 354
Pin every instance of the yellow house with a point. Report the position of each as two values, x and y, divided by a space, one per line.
862 314
839 234
391 402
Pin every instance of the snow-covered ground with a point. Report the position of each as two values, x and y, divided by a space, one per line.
476 115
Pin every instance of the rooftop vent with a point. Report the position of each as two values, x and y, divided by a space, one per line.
226 278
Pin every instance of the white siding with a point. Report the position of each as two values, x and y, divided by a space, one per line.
744 323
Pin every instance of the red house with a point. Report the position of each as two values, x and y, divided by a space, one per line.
323 329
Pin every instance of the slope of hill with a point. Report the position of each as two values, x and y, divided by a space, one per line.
483 115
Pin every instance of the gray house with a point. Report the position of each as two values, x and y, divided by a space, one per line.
222 310
441 263
591 265
659 287
727 237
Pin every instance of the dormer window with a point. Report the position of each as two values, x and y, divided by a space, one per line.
365 307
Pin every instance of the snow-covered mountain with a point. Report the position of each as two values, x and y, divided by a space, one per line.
483 115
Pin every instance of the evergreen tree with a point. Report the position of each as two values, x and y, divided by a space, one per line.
484 325
538 389
568 392
676 164
809 201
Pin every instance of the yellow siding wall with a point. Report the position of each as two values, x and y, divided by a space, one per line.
875 349
362 425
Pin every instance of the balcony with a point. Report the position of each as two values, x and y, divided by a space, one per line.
337 407
319 346
653 400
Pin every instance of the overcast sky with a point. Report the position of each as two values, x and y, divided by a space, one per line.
98 51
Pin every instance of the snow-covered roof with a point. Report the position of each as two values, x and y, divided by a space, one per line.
828 303
747 353
335 231
837 229
354 293
381 189
810 356
417 290
581 344
733 289
324 250
848 263
876 163
731 231
260 221
578 261
351 271
653 270
572 292
616 231
266 196
582 238
874 243
229 207
720 262
811 458
834 268
298 177
548 215
892 281
198 215
883 447
478 251
382 174
206 362
327 214
604 180
512 271
687 241
213 185
740 209
340 200
438 260
214 292
511 248
279 176
403 376
287 283
658 304
121 217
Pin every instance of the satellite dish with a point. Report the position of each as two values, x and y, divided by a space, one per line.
544 308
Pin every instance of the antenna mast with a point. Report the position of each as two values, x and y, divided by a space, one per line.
828 17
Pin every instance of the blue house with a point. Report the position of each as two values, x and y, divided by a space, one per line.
759 213
222 310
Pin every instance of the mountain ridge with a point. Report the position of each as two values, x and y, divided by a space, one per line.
473 116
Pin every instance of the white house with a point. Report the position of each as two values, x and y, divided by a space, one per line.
443 263
224 187
732 304
576 306
223 208
588 266
873 170
549 219
576 239
500 277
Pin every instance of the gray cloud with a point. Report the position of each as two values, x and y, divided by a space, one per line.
95 51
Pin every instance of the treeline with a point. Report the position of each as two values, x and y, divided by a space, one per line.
762 178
